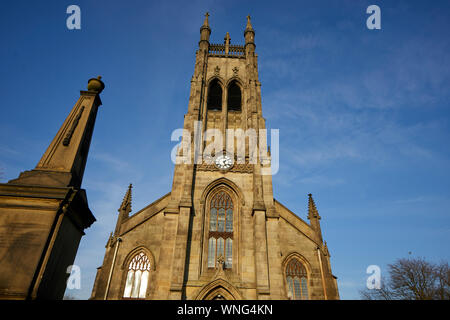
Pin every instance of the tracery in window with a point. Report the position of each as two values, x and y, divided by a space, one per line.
296 278
220 237
137 277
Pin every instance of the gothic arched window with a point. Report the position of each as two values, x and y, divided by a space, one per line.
297 280
214 101
137 277
234 97
220 236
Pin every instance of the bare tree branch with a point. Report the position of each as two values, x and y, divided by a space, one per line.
413 279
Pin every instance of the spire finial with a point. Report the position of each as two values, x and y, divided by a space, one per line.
249 35
249 24
313 216
124 210
312 210
227 38
227 43
206 22
205 31
126 202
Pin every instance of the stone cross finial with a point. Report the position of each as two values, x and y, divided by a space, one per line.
206 23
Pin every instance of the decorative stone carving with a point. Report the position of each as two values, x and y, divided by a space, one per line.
220 262
237 167
69 134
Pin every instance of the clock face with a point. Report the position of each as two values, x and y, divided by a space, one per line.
224 162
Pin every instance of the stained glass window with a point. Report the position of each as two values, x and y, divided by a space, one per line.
229 253
229 226
213 220
221 220
211 252
220 246
220 237
137 277
296 279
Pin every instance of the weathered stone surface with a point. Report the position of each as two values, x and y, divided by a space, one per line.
175 229
43 213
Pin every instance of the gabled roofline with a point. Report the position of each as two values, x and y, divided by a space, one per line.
128 225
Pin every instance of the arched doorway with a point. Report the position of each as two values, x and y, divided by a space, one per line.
219 289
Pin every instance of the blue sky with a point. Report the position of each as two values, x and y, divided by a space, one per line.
363 114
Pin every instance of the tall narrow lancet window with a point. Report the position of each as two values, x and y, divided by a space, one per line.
297 280
137 277
220 237
214 101
234 97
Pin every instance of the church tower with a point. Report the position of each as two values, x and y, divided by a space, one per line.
43 213
219 233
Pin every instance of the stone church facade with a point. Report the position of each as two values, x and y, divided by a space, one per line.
219 233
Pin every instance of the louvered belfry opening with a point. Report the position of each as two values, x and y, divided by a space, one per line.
214 96
234 97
